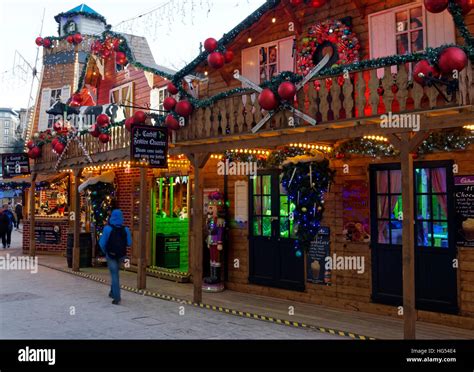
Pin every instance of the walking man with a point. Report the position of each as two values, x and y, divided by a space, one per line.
7 220
114 242
19 214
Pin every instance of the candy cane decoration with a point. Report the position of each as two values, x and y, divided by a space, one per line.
73 136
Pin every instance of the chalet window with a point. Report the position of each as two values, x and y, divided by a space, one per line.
123 95
262 62
6 131
55 96
7 124
6 140
48 97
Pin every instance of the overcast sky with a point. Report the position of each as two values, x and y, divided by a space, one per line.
173 32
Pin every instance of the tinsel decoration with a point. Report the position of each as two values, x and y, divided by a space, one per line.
365 146
458 139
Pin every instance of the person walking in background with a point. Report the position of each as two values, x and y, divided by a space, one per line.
7 220
19 214
114 242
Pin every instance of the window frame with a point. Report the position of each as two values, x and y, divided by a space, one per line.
50 121
120 88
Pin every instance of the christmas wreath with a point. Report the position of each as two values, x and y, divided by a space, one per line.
332 34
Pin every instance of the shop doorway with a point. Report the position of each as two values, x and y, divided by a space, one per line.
272 257
435 245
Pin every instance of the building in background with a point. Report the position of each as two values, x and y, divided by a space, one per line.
9 121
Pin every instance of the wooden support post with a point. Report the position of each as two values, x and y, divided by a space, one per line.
141 276
198 161
76 220
32 215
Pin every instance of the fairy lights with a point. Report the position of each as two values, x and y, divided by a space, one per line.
323 148
376 138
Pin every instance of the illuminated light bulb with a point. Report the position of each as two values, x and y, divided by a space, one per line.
274 20
249 40
206 73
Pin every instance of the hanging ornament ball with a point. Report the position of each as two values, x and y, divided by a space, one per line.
210 44
422 69
139 117
34 153
172 89
228 56
267 100
47 43
452 59
103 120
169 103
298 253
59 148
287 90
54 142
436 6
104 138
30 144
121 58
318 3
216 60
184 108
129 123
39 41
414 155
466 5
94 130
57 126
78 38
296 2
171 122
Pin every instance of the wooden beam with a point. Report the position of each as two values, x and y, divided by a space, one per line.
291 14
32 215
76 209
141 274
361 7
408 249
394 141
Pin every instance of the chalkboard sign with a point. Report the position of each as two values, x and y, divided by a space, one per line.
464 205
316 259
47 234
15 165
149 145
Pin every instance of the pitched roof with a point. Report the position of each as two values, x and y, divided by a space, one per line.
82 8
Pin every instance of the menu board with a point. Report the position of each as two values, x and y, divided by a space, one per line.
149 145
47 234
15 165
316 258
464 205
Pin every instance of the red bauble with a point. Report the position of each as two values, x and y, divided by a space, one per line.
103 120
184 108
210 45
121 58
287 91
296 2
172 89
216 60
318 3
424 67
35 152
451 59
267 100
30 144
94 130
59 148
39 41
171 122
47 43
228 56
169 103
139 117
129 123
70 39
104 138
466 5
54 142
414 155
57 126
436 6
77 39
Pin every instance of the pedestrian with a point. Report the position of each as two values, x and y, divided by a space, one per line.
19 214
114 242
7 220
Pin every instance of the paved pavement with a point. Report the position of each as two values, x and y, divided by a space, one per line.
55 305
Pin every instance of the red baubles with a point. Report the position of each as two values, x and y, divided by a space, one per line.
47 43
287 91
267 100
104 138
169 103
466 5
210 45
171 122
54 142
103 120
59 148
452 59
228 56
77 38
139 117
39 41
296 2
318 3
422 69
184 108
30 144
121 58
94 130
216 60
436 6
129 123
70 39
34 153
172 89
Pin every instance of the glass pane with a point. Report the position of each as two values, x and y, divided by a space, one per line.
423 232
284 228
423 207
395 181
292 229
382 182
416 41
396 227
402 44
382 206
257 205
416 18
396 207
256 185
282 189
257 226
440 206
401 19
440 234
283 206
438 176
422 177
263 56
384 232
267 183
267 226
267 206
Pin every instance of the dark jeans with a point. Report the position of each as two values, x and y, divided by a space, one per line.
18 220
114 266
6 237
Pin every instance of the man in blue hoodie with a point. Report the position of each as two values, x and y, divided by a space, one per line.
113 242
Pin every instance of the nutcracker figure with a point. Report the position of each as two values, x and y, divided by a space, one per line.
215 223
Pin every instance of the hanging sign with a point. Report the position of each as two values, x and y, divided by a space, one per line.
15 165
316 260
464 204
149 145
